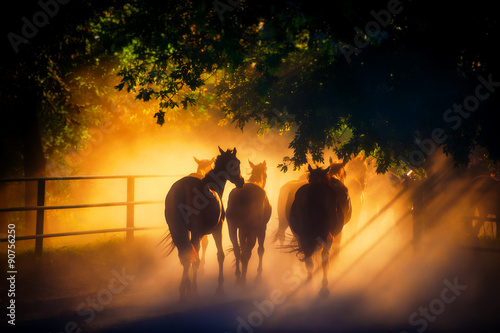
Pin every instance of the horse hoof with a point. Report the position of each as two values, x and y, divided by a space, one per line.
324 292
219 291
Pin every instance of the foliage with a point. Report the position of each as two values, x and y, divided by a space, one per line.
388 95
289 65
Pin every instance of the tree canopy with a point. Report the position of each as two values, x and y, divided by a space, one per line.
393 79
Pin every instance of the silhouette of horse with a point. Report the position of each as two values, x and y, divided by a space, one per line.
486 200
338 176
316 218
204 166
355 181
285 199
248 212
193 208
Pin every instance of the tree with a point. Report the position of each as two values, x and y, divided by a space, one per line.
383 72
45 42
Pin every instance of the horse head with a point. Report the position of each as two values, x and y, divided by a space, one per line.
229 164
337 170
259 173
319 175
204 166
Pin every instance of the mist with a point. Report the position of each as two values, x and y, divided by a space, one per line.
379 282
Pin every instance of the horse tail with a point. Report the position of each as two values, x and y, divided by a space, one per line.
168 244
179 235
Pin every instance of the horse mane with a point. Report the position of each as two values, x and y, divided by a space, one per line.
222 158
258 175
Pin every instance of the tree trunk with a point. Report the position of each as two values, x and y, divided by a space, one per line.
34 162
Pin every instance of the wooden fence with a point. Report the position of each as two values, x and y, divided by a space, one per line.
130 228
40 208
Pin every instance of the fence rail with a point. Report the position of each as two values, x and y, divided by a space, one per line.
40 208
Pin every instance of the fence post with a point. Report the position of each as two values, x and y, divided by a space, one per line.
130 207
40 214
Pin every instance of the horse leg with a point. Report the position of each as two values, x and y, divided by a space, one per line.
204 245
217 234
195 240
261 237
309 266
325 261
233 236
185 285
247 241
336 248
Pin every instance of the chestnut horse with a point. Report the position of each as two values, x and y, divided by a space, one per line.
204 166
193 208
316 218
285 199
248 212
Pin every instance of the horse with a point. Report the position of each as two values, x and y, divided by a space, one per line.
285 199
248 212
193 208
204 166
338 177
316 218
354 179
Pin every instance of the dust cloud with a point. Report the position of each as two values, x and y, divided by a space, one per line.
378 283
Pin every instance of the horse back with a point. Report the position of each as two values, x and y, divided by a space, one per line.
314 211
248 206
189 205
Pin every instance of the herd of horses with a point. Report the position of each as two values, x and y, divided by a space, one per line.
315 208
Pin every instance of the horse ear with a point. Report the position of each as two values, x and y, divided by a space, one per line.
196 160
234 151
251 164
264 163
331 160
220 150
327 169
309 167
213 159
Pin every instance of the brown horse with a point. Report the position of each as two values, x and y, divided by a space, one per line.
285 199
248 212
338 176
354 179
316 218
204 166
193 208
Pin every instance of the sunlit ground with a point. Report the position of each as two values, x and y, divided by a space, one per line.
102 283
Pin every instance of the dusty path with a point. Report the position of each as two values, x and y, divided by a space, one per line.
116 289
